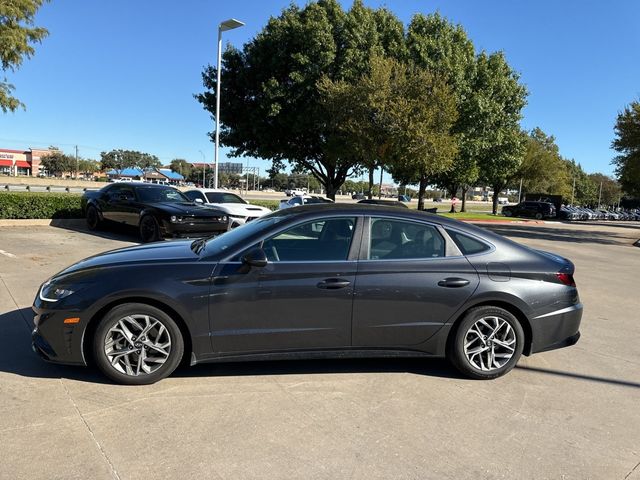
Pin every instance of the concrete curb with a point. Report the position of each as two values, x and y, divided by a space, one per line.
39 222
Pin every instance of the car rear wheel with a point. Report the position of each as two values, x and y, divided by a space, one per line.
93 219
149 229
539 216
507 213
487 343
137 344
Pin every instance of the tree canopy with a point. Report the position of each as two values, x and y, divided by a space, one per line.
627 144
118 160
17 36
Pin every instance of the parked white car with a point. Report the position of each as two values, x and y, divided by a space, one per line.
239 210
298 200
295 192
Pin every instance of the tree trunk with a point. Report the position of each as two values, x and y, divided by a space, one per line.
496 192
380 186
421 189
331 190
371 180
453 189
463 207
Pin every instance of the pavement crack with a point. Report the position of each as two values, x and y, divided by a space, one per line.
632 470
114 473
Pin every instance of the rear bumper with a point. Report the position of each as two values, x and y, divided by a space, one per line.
557 329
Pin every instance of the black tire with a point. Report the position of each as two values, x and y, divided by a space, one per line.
456 351
111 319
149 229
93 218
507 213
539 216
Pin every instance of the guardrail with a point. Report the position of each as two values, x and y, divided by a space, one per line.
8 187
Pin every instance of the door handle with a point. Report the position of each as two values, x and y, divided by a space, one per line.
333 284
453 282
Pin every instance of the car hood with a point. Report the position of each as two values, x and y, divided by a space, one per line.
166 251
188 208
241 209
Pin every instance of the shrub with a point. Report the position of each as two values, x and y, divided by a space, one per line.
270 204
39 205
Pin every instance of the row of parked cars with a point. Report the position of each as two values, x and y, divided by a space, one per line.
583 213
161 211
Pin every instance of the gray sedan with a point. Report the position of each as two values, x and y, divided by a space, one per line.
314 281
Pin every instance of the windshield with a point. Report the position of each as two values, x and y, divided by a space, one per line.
223 197
160 194
219 244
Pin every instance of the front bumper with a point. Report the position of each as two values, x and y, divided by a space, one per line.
556 329
193 229
55 341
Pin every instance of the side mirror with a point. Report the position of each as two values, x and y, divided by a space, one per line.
255 258
198 200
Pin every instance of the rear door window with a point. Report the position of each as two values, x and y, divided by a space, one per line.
398 240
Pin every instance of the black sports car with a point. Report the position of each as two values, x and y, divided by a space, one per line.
320 280
157 211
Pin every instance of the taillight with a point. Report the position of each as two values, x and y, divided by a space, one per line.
566 279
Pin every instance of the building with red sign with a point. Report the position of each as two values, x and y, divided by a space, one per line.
21 162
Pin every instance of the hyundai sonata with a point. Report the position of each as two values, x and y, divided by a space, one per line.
313 281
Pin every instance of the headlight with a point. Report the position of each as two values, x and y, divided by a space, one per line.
175 219
224 218
52 293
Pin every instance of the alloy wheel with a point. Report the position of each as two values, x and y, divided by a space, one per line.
489 343
137 345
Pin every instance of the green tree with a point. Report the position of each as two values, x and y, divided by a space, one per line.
17 36
609 191
119 160
270 97
496 111
181 166
627 144
543 170
423 112
583 190
445 49
57 163
87 167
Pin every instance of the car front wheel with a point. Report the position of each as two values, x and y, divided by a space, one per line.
487 343
93 218
137 344
149 229
539 216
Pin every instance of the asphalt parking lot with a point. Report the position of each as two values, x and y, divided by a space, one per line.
566 414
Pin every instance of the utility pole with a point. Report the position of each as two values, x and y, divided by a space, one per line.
77 164
520 191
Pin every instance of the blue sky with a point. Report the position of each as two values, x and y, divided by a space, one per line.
122 74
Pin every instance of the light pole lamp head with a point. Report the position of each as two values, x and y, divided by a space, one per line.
230 24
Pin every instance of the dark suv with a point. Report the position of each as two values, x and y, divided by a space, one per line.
537 210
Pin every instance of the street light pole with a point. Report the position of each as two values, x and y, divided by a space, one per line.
223 27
